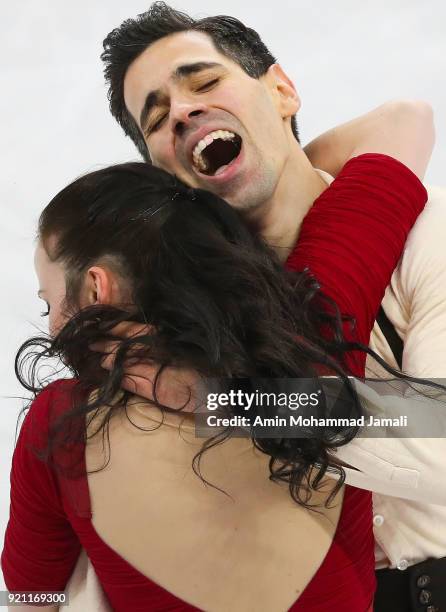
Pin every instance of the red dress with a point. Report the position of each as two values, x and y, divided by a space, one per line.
351 241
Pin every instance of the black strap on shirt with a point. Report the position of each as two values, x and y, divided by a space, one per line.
390 334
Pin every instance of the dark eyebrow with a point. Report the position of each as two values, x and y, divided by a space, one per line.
187 69
179 73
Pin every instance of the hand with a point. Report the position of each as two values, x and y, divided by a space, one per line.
176 387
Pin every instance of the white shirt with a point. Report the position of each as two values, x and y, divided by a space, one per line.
413 529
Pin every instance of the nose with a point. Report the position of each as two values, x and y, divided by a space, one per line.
183 113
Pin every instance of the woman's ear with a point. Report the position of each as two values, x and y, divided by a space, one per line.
99 287
286 94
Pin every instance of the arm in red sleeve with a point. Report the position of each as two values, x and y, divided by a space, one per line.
353 236
40 548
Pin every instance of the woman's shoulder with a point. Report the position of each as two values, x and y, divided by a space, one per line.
48 405
50 446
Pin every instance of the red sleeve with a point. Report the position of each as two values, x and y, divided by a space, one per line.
40 548
353 236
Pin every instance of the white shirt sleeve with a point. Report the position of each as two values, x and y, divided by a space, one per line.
399 464
421 280
415 302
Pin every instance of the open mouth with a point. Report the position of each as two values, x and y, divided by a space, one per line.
216 151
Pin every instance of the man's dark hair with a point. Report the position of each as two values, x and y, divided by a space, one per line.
124 44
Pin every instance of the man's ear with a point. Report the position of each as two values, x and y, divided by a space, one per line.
98 287
286 95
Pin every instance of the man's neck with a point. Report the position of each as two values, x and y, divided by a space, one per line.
299 186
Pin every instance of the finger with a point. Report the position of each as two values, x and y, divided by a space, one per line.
130 329
108 347
125 329
174 388
138 386
109 353
139 369
108 361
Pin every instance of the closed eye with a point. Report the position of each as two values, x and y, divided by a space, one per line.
208 85
154 126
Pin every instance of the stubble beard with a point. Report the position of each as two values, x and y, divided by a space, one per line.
253 197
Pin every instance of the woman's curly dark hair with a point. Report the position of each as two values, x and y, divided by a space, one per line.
217 299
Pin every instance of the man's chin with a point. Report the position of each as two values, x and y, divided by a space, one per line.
242 199
237 190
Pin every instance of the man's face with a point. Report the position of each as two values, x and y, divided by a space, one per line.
206 121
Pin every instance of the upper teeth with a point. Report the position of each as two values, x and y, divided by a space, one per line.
205 142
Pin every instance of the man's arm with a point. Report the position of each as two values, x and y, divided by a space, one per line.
403 129
399 464
419 287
